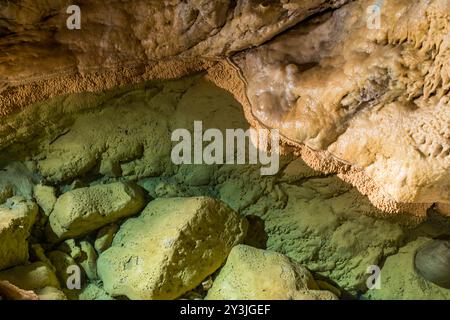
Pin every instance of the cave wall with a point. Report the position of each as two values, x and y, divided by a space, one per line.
368 104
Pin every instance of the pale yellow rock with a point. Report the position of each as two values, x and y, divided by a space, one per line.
105 237
45 198
81 211
88 260
170 248
50 293
443 208
255 274
17 216
70 247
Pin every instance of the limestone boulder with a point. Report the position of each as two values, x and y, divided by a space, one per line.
170 248
256 274
83 210
17 216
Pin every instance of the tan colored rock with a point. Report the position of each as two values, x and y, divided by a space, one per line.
81 211
105 237
124 38
373 98
443 208
255 274
70 247
50 293
17 216
9 291
45 198
37 277
88 260
170 248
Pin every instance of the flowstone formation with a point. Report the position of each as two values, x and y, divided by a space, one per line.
95 206
377 98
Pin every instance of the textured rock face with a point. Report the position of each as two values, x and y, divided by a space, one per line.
355 104
121 35
16 219
375 98
81 211
371 103
170 248
399 279
255 274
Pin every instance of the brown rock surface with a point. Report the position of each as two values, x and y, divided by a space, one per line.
374 98
11 292
125 42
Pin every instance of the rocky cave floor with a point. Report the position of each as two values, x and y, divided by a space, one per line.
188 231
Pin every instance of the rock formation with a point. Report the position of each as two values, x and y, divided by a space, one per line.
254 274
92 205
170 248
80 211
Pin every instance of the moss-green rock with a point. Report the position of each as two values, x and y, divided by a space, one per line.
255 274
170 248
83 210
94 292
399 280
17 216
